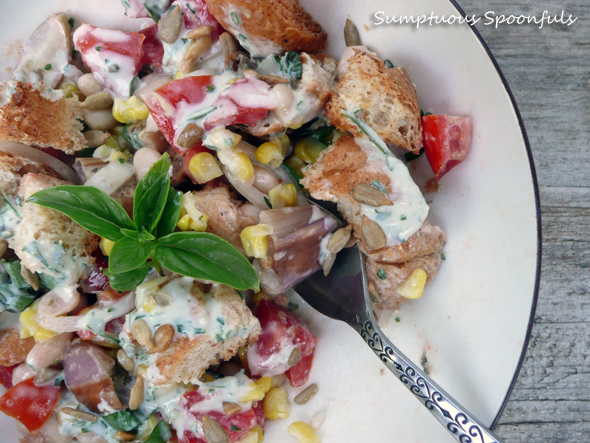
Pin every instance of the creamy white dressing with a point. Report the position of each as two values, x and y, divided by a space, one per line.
276 364
409 210
51 258
9 216
257 47
324 249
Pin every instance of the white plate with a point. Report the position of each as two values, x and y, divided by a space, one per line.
473 321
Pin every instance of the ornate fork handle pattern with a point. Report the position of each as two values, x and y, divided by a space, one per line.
458 421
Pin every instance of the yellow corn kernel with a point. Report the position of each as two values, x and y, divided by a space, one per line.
264 383
106 246
149 304
118 130
130 110
204 167
270 152
254 394
222 139
112 142
296 124
308 149
296 163
178 75
117 156
71 89
282 196
255 240
284 142
276 404
103 152
239 164
260 433
184 222
260 295
29 326
250 437
243 355
303 432
414 285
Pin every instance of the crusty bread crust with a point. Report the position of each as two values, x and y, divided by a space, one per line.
283 22
385 97
13 349
13 167
33 120
38 222
383 291
187 359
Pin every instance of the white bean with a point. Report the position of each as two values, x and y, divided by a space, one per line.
88 85
250 210
284 99
264 180
143 160
46 353
21 373
102 120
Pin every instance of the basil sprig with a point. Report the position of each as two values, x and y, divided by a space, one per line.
149 239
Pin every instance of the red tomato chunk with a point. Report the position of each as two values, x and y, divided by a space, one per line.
447 140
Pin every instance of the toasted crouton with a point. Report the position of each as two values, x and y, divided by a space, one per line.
13 168
225 218
385 99
382 286
338 170
13 349
43 231
269 27
34 120
221 321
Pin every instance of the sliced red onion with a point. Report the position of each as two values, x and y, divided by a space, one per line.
87 372
95 283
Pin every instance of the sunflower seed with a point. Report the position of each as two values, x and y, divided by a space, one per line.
44 375
190 135
142 334
228 44
339 239
294 357
351 242
372 234
306 395
273 79
97 101
351 34
95 138
368 195
201 31
169 25
80 415
136 395
125 361
198 46
124 436
329 260
231 408
213 431
162 338
30 277
250 73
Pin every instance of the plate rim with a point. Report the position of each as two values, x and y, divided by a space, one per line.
533 172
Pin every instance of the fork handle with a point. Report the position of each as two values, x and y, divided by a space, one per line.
449 412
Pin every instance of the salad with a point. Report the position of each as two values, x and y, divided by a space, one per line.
155 210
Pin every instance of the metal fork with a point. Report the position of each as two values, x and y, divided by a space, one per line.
343 295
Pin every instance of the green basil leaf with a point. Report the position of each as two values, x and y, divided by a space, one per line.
128 254
91 208
160 434
138 236
122 420
151 194
127 281
170 215
206 256
13 269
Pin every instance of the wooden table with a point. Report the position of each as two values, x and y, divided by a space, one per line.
548 71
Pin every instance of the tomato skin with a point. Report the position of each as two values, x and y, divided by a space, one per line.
447 140
244 421
152 48
281 329
30 404
200 17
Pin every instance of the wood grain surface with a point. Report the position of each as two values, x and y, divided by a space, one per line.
548 71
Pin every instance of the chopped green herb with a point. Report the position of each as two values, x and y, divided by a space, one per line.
381 274
47 66
292 307
388 63
235 18
234 428
135 85
403 217
113 68
293 173
210 88
242 37
180 328
290 65
442 256
71 23
122 161
267 202
98 48
191 9
122 421
221 320
377 184
397 319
